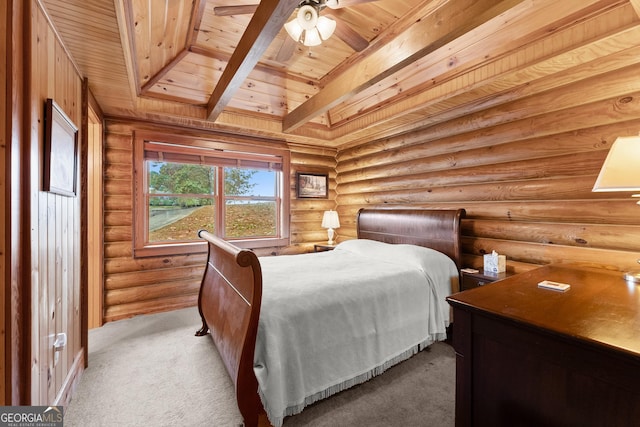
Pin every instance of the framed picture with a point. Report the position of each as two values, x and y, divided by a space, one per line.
312 185
60 151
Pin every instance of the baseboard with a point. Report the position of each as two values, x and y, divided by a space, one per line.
73 378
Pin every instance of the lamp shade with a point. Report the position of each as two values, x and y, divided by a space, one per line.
330 220
312 37
326 27
294 29
621 168
307 17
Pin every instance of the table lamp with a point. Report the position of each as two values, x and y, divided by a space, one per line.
330 221
621 172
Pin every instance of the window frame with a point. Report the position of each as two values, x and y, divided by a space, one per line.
232 151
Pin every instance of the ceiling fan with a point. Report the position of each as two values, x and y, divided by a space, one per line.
309 27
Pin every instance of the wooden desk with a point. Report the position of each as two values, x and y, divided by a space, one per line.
527 356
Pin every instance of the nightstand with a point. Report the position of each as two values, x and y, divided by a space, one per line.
323 247
473 280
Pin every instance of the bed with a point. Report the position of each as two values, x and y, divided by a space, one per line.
326 321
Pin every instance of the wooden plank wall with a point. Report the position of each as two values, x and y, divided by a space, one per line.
54 223
135 286
522 170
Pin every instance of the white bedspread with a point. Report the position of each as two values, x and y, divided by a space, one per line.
331 320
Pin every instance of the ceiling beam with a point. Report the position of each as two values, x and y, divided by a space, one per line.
265 25
445 24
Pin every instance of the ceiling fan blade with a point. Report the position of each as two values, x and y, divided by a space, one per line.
243 9
286 50
350 36
339 4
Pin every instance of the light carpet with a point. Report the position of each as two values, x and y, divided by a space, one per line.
152 370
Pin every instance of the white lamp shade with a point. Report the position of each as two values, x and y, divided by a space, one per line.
294 29
621 168
307 17
312 37
330 220
326 27
333 4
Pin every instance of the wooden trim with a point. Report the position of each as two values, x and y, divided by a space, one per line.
166 249
139 185
124 15
4 192
63 398
85 259
92 217
17 375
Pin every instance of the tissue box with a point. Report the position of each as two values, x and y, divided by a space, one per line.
494 263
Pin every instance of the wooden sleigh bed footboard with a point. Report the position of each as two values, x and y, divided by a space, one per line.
229 304
231 291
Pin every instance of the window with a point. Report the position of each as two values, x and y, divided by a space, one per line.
186 185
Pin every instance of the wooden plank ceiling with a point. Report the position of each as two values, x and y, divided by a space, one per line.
391 66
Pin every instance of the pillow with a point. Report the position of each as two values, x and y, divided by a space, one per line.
418 256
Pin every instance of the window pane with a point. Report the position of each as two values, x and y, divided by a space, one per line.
249 182
181 178
265 183
178 218
179 221
250 219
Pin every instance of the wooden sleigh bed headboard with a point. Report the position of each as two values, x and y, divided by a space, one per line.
231 289
435 229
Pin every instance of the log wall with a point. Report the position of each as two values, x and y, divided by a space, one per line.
306 214
524 180
521 158
523 170
151 284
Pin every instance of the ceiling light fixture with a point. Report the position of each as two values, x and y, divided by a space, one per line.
309 27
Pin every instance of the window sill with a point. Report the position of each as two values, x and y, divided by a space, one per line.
260 243
170 249
201 247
